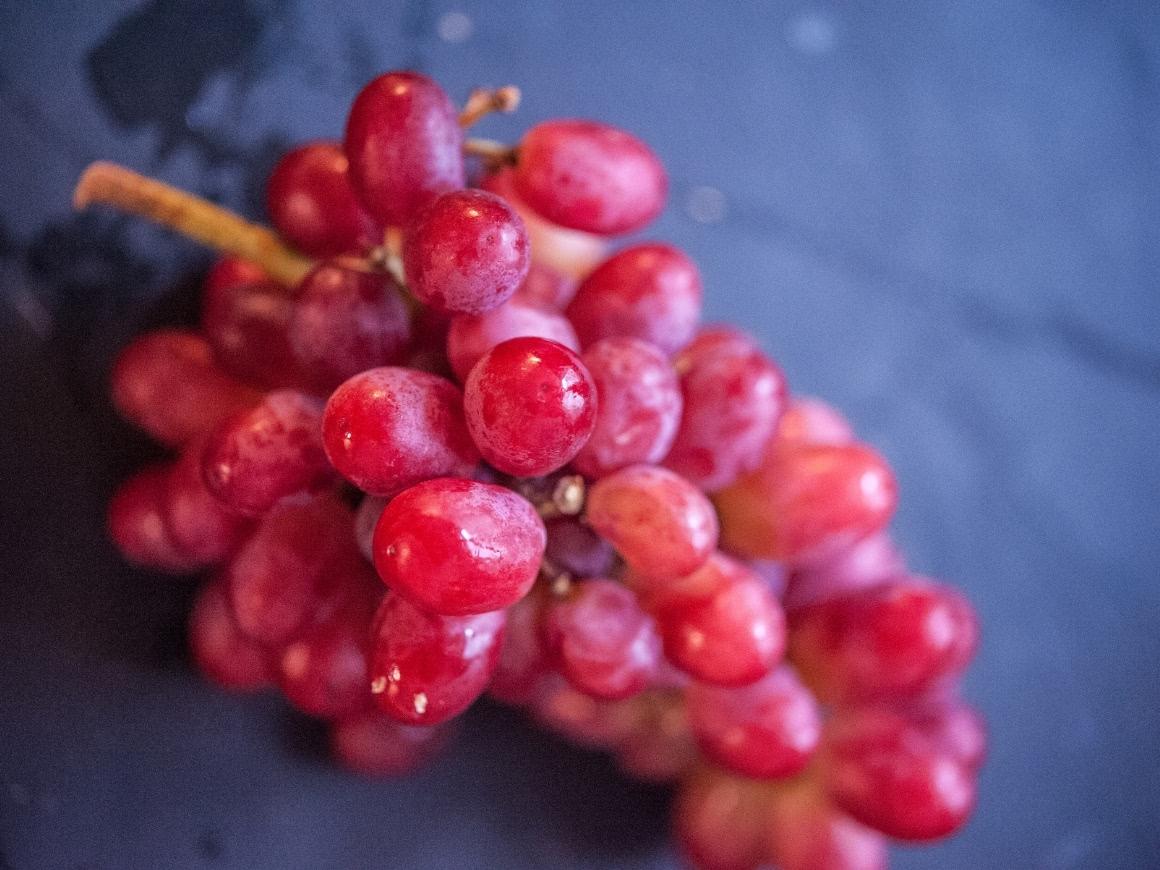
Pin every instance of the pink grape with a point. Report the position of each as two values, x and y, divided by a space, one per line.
650 291
220 650
466 253
371 743
660 523
136 523
601 640
471 336
590 177
734 396
639 406
198 523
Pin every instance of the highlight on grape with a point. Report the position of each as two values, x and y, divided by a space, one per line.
435 440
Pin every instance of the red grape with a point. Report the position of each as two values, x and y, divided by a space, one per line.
806 832
721 623
220 650
883 771
734 396
136 523
808 502
466 252
530 405
458 547
660 523
719 821
373 744
389 428
639 407
292 571
323 672
897 639
766 730
347 321
198 523
601 640
590 177
954 726
427 668
166 383
248 325
311 203
649 291
471 336
404 144
586 721
270 453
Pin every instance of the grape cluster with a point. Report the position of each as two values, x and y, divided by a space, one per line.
431 441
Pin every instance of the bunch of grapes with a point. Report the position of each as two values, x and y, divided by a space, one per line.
432 441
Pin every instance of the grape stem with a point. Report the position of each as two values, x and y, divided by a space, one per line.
484 101
192 216
494 154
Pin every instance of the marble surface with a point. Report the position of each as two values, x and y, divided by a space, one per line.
944 217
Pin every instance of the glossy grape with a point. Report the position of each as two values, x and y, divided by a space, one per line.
467 252
470 337
389 428
661 524
590 176
896 639
650 291
404 145
808 502
601 640
522 660
639 406
530 405
427 668
457 547
166 383
311 203
268 454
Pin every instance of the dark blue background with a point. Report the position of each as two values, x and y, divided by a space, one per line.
943 216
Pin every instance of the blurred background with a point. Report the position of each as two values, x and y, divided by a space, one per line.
943 217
